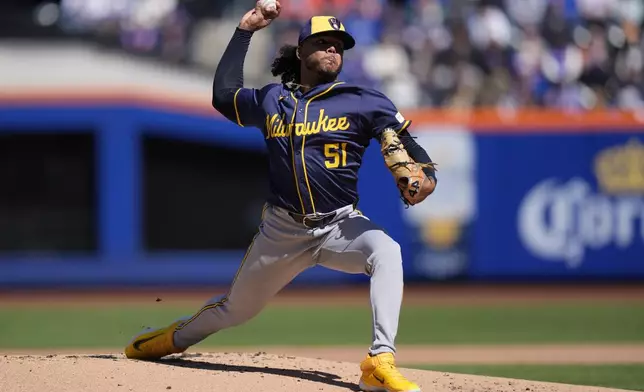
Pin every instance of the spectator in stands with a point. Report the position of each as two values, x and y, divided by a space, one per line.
573 54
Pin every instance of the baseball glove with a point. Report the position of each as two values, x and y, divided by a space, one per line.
408 174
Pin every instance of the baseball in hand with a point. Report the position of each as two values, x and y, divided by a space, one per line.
268 6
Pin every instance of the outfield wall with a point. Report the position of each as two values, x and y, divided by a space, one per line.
117 190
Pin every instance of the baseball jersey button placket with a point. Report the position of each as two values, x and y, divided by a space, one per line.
299 166
301 156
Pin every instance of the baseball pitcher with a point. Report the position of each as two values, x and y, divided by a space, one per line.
316 129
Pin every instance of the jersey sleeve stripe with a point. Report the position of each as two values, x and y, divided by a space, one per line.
404 126
236 109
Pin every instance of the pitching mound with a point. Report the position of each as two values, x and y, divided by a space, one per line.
225 372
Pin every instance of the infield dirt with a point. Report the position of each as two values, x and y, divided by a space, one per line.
227 372
290 369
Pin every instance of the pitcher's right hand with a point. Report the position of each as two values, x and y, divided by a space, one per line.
256 19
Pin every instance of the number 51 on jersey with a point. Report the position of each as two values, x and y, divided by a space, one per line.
336 153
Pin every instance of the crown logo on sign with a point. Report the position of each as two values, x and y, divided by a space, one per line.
620 169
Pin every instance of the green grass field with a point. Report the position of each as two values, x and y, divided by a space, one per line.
89 327
627 376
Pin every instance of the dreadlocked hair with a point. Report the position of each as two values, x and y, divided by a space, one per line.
287 65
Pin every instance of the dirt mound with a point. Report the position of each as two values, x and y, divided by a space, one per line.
226 372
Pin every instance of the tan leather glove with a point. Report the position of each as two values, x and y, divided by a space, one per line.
410 179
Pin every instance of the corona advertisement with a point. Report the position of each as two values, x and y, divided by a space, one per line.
576 210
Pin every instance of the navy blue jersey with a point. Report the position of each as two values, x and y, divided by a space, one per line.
316 140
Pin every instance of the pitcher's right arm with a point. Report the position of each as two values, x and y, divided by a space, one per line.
229 97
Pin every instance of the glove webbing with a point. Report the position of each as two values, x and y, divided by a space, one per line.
393 148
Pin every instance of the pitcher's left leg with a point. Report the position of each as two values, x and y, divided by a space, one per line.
357 245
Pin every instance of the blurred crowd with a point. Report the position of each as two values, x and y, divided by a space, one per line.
571 54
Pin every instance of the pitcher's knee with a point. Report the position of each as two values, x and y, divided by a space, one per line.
386 255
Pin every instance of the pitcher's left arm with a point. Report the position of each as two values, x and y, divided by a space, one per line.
415 179
418 154
413 170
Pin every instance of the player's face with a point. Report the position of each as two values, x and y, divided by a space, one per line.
323 55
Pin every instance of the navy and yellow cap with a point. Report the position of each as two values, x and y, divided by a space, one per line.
326 24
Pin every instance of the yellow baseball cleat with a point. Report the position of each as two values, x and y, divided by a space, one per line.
153 344
379 374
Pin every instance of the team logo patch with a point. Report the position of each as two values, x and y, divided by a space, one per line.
335 23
